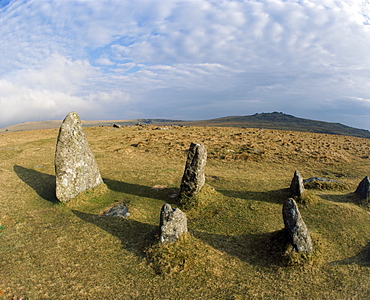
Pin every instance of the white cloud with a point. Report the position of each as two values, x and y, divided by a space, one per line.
104 61
138 56
48 91
24 103
110 97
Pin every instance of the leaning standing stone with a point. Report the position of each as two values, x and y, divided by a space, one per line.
194 178
173 223
75 166
295 227
297 186
363 188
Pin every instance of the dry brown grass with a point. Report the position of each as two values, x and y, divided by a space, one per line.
69 251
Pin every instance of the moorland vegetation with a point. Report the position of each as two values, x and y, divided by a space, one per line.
52 250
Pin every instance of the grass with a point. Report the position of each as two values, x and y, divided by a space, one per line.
326 185
234 249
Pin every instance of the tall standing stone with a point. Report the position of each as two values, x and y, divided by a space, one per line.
363 188
194 178
296 186
75 166
173 224
295 227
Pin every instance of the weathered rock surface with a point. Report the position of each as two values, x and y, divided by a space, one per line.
121 210
75 166
296 186
295 227
193 179
363 188
173 223
322 179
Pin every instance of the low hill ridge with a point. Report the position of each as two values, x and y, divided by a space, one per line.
274 120
282 121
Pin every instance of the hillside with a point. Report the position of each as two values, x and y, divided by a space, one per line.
281 121
37 125
275 120
52 250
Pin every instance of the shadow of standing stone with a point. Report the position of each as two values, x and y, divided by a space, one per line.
75 166
193 179
297 230
173 224
297 186
363 188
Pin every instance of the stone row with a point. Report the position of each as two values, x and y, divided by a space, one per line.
76 171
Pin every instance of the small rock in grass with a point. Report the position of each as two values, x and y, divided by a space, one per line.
120 210
312 179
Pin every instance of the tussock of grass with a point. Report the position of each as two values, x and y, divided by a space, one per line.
284 254
189 255
89 197
170 258
307 198
204 197
91 194
326 185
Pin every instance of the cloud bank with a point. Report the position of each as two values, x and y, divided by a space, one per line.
194 59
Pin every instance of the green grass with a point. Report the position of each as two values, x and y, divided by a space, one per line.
326 185
234 249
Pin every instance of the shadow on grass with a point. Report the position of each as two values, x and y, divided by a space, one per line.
362 258
166 194
275 196
43 184
349 197
257 249
134 236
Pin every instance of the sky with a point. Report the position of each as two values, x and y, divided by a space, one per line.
184 60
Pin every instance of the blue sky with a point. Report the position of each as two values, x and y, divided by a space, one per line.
193 59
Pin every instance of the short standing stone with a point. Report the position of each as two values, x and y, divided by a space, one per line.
296 186
363 188
295 227
173 223
194 178
75 166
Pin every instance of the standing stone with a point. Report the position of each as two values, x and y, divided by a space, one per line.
297 187
194 178
173 223
75 166
295 227
363 188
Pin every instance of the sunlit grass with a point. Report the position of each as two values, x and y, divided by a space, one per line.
51 250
